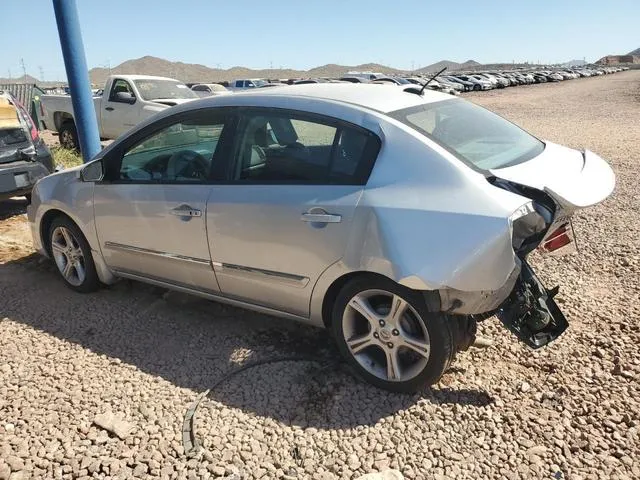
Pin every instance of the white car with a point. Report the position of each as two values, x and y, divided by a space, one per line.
395 220
210 89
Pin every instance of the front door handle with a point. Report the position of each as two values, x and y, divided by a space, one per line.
186 211
314 216
109 109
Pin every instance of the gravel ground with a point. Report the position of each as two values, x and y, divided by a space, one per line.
567 411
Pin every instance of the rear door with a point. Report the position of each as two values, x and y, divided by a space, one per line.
150 211
286 213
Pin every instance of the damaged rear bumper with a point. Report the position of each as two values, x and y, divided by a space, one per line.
18 178
530 312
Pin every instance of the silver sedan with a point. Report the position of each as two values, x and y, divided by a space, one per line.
396 220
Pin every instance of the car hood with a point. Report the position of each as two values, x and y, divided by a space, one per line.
574 179
173 101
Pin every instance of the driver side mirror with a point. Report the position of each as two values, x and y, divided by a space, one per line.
124 97
92 172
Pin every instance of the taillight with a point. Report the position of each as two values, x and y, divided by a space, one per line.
27 118
561 237
34 133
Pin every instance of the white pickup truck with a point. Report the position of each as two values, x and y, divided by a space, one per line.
125 101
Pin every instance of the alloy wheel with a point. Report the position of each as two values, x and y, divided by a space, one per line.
68 256
386 335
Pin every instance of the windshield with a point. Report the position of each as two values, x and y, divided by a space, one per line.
156 89
475 135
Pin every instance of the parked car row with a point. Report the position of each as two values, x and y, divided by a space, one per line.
126 100
451 83
500 79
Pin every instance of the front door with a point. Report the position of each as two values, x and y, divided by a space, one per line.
118 115
151 209
287 213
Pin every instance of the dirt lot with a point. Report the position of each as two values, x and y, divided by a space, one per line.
567 411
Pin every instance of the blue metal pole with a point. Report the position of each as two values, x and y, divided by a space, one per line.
78 76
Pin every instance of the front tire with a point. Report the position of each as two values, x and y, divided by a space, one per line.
477 88
388 336
72 255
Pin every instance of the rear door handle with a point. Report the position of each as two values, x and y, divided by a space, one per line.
186 211
321 217
109 109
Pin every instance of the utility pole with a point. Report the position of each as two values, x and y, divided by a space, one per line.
41 73
271 64
24 71
9 70
75 65
413 65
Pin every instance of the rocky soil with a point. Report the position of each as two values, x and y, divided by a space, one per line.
98 386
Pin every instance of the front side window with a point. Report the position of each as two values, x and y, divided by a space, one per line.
120 86
475 135
183 152
153 89
295 148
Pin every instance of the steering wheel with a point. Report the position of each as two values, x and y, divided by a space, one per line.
187 164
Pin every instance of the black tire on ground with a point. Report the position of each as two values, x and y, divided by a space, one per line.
91 282
439 327
68 136
477 88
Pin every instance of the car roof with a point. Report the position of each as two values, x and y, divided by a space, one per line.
379 97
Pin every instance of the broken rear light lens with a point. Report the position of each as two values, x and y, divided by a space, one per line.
561 237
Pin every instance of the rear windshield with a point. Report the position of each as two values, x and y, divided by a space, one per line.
475 135
12 136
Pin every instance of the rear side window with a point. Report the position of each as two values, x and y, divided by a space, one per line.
279 147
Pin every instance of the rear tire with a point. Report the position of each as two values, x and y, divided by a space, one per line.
68 136
388 336
477 88
72 255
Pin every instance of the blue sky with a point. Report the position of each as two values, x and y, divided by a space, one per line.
306 33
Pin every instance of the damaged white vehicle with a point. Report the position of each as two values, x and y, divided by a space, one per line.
395 220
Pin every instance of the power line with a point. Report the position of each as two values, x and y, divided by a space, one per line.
24 70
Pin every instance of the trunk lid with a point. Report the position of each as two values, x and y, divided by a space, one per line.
573 179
